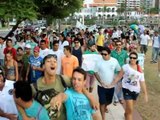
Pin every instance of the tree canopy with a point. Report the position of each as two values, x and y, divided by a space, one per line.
58 8
31 9
121 8
19 9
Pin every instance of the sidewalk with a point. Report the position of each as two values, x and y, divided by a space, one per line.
115 112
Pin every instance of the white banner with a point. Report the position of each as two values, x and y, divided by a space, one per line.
93 27
80 25
89 61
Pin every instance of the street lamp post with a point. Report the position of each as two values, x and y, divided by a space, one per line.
103 11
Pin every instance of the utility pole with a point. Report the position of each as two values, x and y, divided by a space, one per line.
103 11
125 12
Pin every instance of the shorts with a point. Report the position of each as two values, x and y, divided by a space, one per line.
105 95
128 95
90 80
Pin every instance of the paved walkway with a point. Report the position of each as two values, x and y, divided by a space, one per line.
116 112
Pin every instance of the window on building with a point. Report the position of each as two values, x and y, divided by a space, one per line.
99 10
113 9
108 16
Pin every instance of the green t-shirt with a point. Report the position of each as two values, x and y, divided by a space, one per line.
58 86
121 57
25 60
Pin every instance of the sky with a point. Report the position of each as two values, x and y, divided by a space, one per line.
88 1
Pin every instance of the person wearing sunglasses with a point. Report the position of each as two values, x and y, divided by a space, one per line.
77 50
121 55
133 80
105 72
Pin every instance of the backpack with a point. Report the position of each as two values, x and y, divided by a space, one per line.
44 97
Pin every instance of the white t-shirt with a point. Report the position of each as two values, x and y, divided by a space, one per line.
61 45
59 54
131 78
115 34
44 52
144 39
7 103
22 45
2 46
106 69
156 43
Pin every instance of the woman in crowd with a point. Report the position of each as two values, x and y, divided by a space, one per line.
133 80
11 67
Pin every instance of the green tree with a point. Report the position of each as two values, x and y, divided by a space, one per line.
18 9
29 9
153 10
58 8
121 8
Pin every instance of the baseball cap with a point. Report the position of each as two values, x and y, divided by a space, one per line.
28 46
36 49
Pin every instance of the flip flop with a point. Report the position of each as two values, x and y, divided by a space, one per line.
106 110
115 103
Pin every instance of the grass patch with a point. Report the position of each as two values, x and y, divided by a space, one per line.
150 110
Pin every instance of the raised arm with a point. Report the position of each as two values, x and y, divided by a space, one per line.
57 101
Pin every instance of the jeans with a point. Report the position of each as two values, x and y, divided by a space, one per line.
118 93
155 53
1 62
143 49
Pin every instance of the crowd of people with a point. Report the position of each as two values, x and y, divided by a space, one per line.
43 77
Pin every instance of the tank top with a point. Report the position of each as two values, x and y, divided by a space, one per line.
78 54
10 71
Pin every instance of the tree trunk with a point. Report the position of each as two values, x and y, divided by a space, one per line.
13 29
59 25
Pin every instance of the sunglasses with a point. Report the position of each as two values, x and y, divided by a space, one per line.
133 57
104 54
118 44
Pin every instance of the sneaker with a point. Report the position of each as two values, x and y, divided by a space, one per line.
151 61
121 101
154 61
